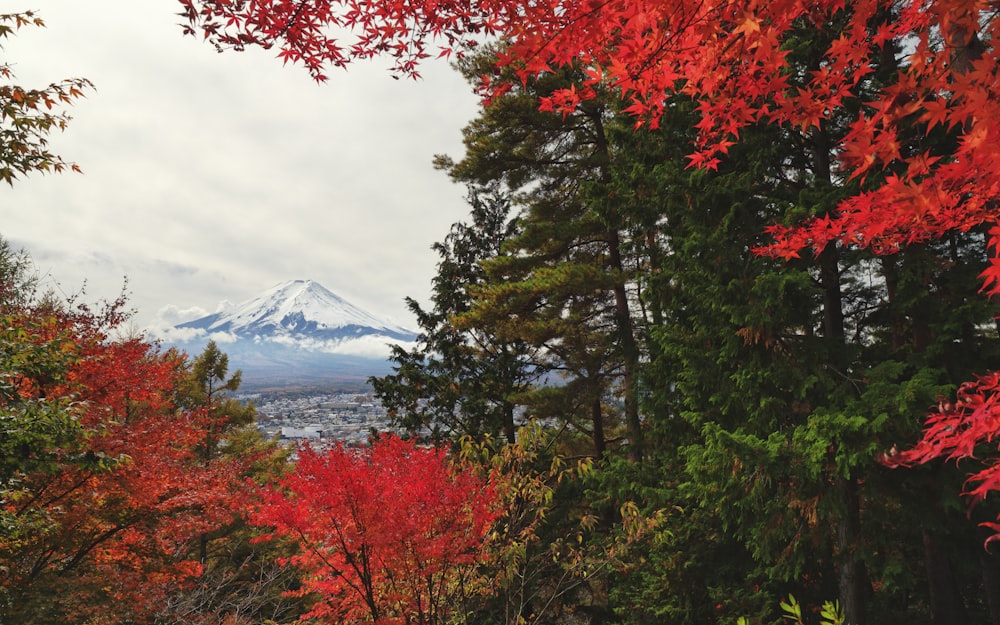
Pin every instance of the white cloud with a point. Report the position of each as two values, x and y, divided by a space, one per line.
163 325
176 335
369 347
288 341
211 176
175 314
223 337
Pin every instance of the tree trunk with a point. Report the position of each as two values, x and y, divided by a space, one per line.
630 353
833 313
623 313
852 577
597 421
991 579
509 431
947 606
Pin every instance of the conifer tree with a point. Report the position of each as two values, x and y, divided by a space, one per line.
776 387
207 386
461 381
567 282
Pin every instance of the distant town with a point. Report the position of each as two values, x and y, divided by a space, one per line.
319 417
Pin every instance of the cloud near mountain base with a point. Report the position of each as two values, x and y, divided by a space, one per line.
372 346
164 324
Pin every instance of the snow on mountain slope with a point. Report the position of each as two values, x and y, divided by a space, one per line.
294 333
301 309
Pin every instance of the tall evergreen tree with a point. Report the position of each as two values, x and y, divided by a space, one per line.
567 283
207 387
461 381
776 387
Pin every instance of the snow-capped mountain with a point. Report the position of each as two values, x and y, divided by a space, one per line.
297 332
299 308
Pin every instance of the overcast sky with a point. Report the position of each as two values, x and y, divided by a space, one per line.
212 177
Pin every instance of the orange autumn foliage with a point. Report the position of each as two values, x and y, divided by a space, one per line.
385 534
115 510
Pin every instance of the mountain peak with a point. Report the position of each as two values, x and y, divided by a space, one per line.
299 308
297 331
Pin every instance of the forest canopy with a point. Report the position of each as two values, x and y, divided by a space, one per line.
728 266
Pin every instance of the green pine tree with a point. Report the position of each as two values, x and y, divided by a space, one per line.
461 381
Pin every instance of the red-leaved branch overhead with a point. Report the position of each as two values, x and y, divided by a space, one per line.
728 56
954 432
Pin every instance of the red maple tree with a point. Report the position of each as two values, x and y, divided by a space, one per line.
385 533
117 508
